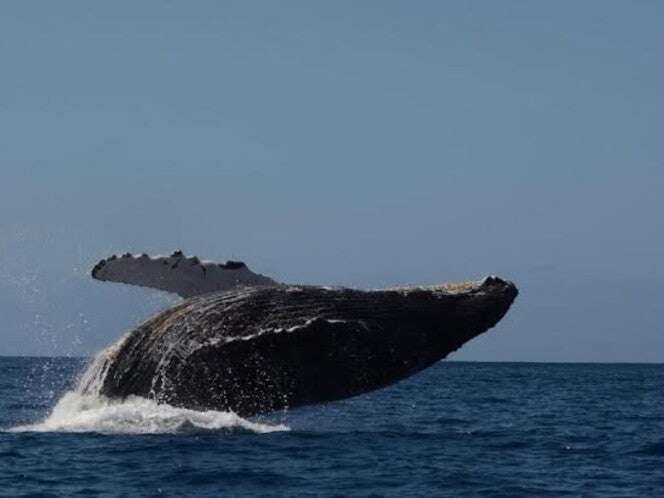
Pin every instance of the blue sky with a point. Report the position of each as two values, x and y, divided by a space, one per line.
362 144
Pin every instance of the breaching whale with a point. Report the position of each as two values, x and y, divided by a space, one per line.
243 342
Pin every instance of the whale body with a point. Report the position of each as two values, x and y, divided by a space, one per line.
262 347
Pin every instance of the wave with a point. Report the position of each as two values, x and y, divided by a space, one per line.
76 412
652 449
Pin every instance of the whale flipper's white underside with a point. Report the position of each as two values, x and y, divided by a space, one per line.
177 273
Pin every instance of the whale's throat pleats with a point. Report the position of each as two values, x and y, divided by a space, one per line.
185 276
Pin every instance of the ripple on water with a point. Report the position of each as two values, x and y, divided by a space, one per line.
561 430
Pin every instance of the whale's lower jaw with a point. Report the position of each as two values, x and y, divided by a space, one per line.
256 350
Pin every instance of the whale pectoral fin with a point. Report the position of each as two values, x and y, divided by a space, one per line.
177 273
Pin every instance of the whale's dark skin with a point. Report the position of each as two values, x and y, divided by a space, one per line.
258 349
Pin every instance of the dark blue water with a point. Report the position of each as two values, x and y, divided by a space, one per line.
458 429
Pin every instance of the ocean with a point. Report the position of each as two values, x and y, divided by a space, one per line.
456 429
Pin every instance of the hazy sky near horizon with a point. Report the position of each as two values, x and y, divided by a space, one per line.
345 143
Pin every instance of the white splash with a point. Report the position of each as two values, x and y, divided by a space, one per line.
77 412
86 410
92 378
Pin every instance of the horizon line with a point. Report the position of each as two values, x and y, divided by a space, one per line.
529 362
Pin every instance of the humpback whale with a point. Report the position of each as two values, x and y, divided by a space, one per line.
242 342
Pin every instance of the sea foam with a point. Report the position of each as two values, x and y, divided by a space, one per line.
85 409
76 412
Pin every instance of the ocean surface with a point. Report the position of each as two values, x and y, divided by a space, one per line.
456 429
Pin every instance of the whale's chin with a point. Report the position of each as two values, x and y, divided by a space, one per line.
257 349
